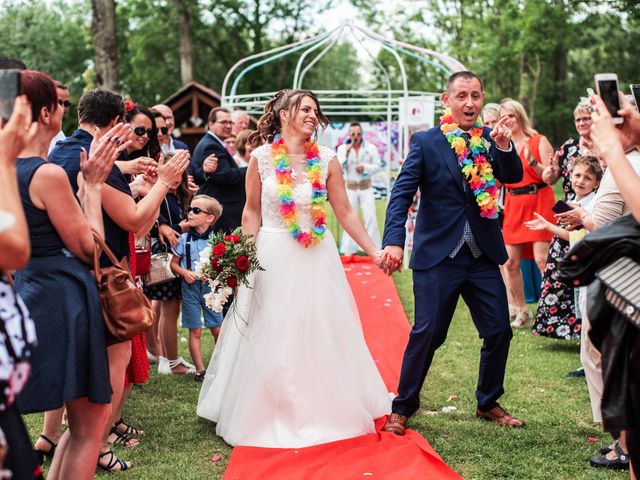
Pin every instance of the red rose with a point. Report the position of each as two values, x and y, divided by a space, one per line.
232 238
128 105
232 282
219 249
216 266
242 263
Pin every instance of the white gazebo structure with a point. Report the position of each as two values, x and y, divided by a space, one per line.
407 107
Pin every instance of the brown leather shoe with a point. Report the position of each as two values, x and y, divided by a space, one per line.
500 416
396 423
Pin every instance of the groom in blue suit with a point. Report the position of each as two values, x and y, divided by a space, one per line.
456 251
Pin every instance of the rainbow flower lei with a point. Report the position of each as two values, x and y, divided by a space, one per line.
287 207
477 169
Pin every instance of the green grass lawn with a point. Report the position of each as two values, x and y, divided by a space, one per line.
554 445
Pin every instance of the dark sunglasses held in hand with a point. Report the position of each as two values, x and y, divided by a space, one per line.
164 130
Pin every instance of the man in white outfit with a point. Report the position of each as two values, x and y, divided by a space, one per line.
360 161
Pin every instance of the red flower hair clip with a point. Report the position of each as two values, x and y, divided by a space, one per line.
128 105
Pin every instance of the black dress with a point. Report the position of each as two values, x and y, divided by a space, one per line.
70 360
558 315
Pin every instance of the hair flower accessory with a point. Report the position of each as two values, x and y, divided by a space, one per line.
474 163
128 105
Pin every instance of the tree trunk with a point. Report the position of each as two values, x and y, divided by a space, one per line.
186 45
103 29
537 71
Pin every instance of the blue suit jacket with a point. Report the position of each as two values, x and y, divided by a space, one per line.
226 184
444 205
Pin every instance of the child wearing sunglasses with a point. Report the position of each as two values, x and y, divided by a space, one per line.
203 212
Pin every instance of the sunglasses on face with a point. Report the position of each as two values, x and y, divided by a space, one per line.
197 210
64 103
164 130
140 131
356 134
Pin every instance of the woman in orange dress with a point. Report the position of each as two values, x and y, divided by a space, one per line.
522 199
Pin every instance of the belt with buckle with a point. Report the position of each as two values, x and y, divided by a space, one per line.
528 189
361 185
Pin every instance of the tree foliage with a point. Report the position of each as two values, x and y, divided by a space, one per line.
542 52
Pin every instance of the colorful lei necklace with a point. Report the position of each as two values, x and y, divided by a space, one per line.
287 207
477 169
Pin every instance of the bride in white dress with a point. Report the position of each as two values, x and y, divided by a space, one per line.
291 367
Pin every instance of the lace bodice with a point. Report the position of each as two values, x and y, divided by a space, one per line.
301 191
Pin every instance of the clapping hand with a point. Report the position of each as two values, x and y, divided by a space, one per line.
192 186
501 134
170 171
103 152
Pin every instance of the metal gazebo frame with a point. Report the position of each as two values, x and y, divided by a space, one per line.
382 103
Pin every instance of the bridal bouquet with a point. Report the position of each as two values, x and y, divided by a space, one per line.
227 262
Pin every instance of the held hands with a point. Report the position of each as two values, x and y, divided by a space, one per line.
501 134
170 171
210 164
389 259
18 132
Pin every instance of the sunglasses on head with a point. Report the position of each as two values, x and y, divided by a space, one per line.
64 103
197 210
140 131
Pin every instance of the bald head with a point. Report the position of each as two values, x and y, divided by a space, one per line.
167 113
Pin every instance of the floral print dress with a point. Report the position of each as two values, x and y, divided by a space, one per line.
557 315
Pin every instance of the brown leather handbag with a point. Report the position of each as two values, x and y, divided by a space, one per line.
126 310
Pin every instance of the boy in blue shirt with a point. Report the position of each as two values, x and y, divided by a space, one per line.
203 212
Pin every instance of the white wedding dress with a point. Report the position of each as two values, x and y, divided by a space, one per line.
291 367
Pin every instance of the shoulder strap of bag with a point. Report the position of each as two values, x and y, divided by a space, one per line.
187 250
101 245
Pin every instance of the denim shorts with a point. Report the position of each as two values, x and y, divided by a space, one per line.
194 307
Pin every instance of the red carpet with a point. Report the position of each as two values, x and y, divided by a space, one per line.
378 455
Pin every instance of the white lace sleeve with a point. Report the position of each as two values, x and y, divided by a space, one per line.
263 157
326 155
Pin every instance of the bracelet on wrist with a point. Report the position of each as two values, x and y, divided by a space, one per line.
583 217
166 184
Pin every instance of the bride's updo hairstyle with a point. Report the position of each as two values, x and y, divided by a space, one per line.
288 100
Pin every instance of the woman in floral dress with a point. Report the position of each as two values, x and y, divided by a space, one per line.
557 316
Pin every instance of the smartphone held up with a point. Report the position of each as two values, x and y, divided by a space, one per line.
608 89
9 90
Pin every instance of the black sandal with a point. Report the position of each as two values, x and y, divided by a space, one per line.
620 463
113 462
46 453
123 439
130 431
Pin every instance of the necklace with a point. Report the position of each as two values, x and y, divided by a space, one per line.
475 168
284 179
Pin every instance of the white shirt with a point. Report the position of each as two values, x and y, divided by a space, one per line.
59 136
367 156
